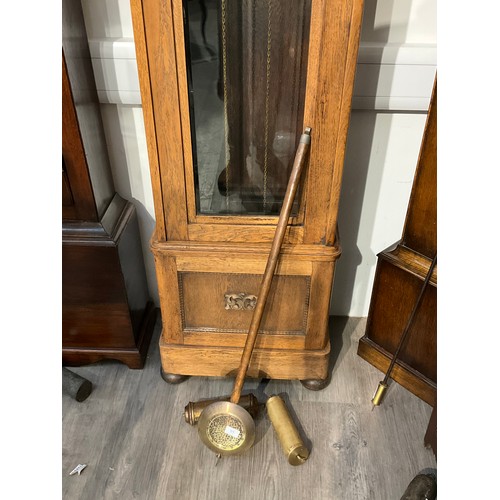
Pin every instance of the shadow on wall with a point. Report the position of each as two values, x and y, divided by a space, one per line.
107 18
125 136
366 150
124 131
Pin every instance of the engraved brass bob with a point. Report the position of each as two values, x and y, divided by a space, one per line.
224 426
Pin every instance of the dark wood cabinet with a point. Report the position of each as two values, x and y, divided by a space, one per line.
106 311
400 273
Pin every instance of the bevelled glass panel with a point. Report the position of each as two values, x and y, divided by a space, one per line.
247 64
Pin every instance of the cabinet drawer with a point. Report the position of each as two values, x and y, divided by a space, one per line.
225 302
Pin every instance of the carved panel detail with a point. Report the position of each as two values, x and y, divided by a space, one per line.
214 302
240 301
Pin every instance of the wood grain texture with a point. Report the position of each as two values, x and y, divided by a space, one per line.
238 265
287 364
335 29
332 50
225 339
317 319
132 435
395 291
133 357
331 60
192 281
241 233
160 44
168 290
182 82
203 305
345 113
148 113
298 252
414 263
402 373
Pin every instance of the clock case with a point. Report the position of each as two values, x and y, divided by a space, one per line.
209 266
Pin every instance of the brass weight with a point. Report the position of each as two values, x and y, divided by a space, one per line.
294 448
192 411
379 394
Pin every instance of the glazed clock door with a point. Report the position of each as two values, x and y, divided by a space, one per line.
233 84
247 65
227 88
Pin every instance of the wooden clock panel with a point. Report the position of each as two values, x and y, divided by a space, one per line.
268 69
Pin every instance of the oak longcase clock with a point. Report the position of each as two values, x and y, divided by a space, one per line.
227 88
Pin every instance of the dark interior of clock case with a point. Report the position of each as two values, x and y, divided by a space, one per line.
247 65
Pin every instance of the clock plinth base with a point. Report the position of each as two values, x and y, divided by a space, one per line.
224 361
208 294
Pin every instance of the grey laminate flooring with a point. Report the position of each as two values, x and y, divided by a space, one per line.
131 434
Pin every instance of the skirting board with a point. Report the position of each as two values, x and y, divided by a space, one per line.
390 77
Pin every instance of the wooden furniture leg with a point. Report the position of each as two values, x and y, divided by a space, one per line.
172 378
315 384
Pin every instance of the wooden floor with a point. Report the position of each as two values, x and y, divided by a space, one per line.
131 434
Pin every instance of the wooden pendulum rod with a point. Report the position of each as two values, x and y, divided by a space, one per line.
383 386
272 262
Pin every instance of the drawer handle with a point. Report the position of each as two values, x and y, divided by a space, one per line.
240 301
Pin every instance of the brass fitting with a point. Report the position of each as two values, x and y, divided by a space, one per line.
193 410
379 394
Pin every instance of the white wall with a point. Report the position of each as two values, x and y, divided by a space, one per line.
381 156
110 20
396 67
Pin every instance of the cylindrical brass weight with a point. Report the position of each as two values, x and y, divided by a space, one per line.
379 394
192 411
294 448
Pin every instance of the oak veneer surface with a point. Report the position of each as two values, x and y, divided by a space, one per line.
190 311
331 62
131 434
203 307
